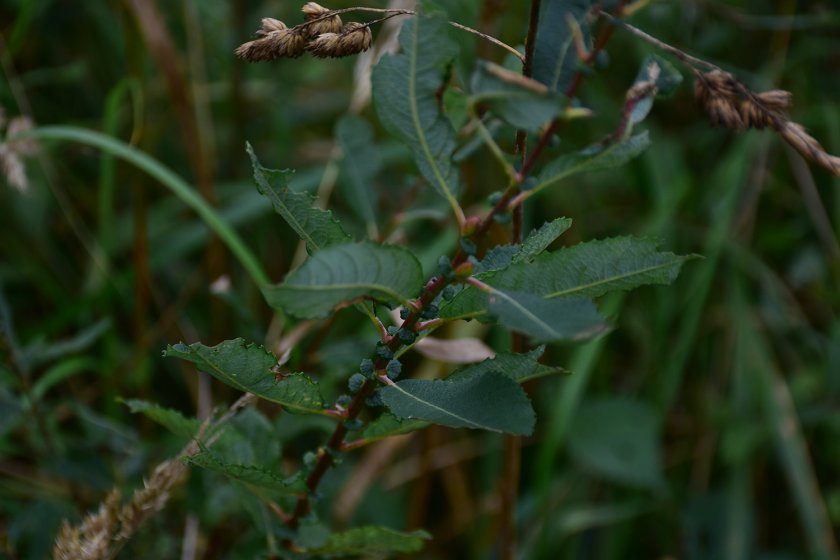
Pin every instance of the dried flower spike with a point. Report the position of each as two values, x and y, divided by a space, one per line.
354 38
313 11
269 25
276 43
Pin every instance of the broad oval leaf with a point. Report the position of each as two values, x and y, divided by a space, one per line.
248 367
405 94
555 55
316 227
518 367
250 475
587 270
343 273
362 161
546 320
488 401
593 158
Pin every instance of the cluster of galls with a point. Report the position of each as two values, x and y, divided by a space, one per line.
729 103
322 34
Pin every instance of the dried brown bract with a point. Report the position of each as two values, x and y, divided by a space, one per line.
314 12
274 42
731 104
353 39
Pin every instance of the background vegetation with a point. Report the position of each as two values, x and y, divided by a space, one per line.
726 385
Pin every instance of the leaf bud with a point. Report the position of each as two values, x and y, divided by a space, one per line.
393 369
383 351
355 382
407 336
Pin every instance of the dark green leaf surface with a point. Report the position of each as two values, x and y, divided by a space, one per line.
170 419
405 88
518 367
343 273
515 103
362 161
316 227
546 320
594 158
248 367
539 239
387 425
251 475
372 540
617 438
489 401
555 57
588 270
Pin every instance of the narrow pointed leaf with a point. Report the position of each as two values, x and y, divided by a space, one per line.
316 227
405 93
170 419
361 163
593 158
555 56
546 320
248 367
371 541
539 239
490 401
519 101
250 475
346 272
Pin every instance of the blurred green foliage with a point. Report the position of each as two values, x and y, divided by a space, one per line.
726 385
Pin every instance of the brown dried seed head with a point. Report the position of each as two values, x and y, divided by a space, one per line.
354 38
776 99
326 45
701 90
722 83
723 113
753 116
277 44
311 10
269 25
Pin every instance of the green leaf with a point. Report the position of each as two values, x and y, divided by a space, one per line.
588 270
539 239
617 438
250 475
405 93
555 56
343 273
594 158
362 161
372 540
518 367
387 425
489 401
316 227
170 419
546 320
519 101
248 367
